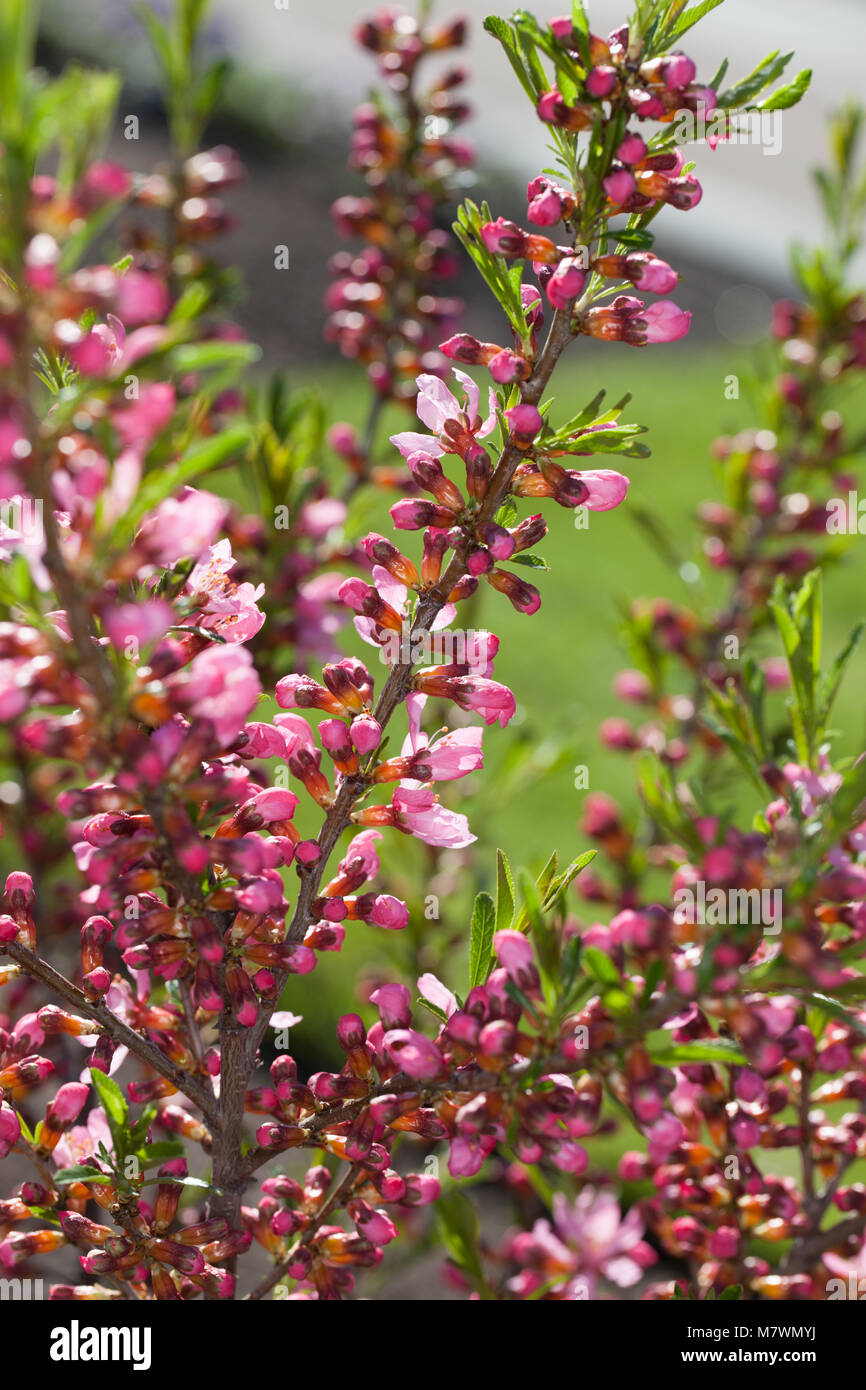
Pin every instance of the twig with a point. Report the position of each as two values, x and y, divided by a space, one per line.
281 1270
121 1033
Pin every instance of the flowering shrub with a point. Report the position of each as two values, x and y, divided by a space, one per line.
178 706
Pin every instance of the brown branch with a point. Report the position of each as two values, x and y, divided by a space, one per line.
399 682
281 1270
143 1048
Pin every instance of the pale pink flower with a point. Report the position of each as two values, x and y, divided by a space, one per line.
224 606
220 684
419 812
181 527
438 407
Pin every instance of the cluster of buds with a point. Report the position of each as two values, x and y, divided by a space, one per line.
613 71
385 306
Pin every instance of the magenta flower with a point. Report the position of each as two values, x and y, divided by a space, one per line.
431 988
83 1141
666 322
10 1129
589 1240
144 623
393 1001
414 1054
141 298
143 419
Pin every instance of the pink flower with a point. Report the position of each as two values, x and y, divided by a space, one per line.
220 684
144 418
83 1141
141 298
604 1241
650 274
67 1105
393 1001
607 488
525 422
103 180
666 322
515 953
663 1137
431 988
565 284
619 185
451 423
494 702
181 527
224 606
450 755
144 623
365 733
467 1152
420 813
414 1054
10 1129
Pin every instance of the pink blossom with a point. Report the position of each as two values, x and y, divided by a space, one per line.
414 1054
431 988
181 527
222 685
607 488
440 411
420 813
143 623
143 419
141 297
394 1003
223 605
666 322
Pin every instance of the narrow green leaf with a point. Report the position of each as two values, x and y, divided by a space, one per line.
481 939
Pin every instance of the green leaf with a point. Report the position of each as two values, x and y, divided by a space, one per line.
116 1108
79 1172
789 95
562 881
670 1054
159 1152
432 1008
600 966
731 1294
459 1229
112 1100
766 72
481 939
200 458
502 31
533 562
199 357
504 892
835 1010
829 685
688 19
